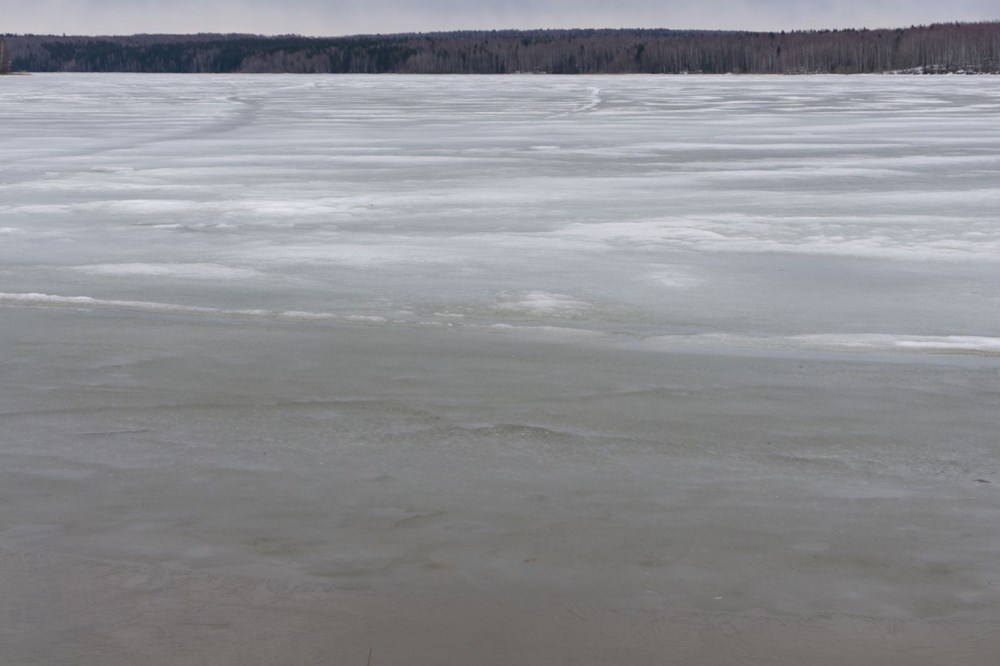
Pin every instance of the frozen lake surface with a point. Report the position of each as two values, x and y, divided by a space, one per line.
499 370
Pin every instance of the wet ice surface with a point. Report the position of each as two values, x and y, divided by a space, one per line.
499 370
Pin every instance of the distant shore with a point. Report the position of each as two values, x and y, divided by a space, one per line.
959 48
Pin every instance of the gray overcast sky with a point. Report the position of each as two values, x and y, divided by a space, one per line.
341 17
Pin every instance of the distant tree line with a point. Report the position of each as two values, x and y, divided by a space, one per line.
951 47
4 57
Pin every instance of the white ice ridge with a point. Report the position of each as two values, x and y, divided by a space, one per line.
595 99
593 102
873 342
88 302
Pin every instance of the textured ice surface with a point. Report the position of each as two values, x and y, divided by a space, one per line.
292 368
755 208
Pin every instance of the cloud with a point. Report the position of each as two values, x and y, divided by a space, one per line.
340 17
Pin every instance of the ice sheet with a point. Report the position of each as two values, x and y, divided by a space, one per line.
749 207
499 370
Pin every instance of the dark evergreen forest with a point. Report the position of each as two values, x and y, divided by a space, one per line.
952 47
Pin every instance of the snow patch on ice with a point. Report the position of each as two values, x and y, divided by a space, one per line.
952 343
183 271
549 332
853 342
36 209
944 343
301 314
356 255
874 238
543 303
142 206
112 169
88 301
674 279
372 319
